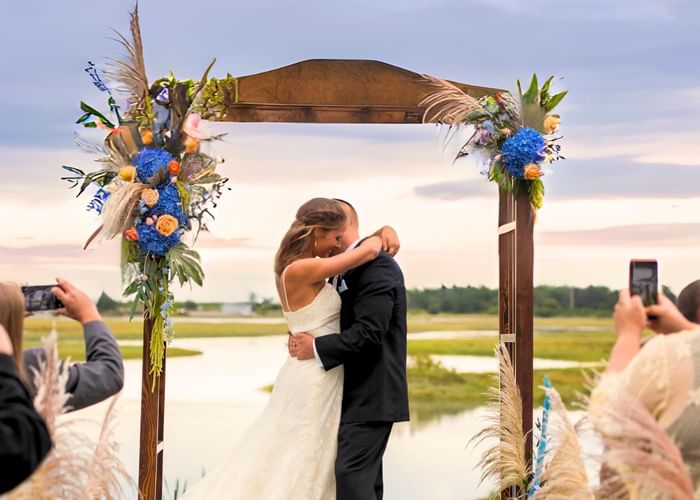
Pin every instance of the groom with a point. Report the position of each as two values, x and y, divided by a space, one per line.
372 347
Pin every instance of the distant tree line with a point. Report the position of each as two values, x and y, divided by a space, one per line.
549 300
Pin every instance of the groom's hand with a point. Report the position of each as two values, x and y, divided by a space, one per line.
302 346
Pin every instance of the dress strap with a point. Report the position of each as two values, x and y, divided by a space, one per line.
284 289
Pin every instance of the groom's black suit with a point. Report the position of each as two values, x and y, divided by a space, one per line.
372 348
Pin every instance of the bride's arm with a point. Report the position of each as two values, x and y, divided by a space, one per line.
390 240
314 270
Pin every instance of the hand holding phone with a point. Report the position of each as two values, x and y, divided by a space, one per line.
644 281
40 298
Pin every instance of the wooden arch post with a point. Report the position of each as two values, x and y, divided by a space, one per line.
361 91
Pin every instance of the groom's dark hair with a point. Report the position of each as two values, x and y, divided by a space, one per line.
352 210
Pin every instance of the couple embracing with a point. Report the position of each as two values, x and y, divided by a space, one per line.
324 430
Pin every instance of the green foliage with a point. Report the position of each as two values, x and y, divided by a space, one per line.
107 304
184 265
549 300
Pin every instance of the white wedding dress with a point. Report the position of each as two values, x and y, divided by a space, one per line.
289 451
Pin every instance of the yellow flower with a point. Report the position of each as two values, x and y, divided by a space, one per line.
150 197
532 171
166 225
551 123
146 136
127 173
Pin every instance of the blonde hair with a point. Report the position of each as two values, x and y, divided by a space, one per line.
318 213
12 318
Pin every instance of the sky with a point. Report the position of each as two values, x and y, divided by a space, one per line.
629 188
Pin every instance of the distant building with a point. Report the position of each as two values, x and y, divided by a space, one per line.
237 308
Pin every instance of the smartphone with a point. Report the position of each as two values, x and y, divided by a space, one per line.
40 298
644 280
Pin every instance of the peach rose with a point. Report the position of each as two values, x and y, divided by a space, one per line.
166 225
532 171
146 136
127 173
131 234
191 145
551 123
150 197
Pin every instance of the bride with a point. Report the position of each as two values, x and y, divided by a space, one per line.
289 451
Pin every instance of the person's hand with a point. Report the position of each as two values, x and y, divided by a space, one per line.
390 240
668 318
77 305
5 342
291 343
302 346
629 316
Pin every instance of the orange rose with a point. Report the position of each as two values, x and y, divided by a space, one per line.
150 197
551 123
127 173
131 234
174 167
146 136
191 145
166 225
532 171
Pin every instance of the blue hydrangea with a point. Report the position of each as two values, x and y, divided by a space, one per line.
151 241
169 203
149 161
526 146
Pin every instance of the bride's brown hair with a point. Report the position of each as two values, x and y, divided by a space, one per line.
12 318
318 213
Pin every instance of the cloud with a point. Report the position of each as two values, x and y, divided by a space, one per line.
456 190
658 235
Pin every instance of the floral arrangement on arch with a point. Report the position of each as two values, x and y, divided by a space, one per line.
515 138
155 184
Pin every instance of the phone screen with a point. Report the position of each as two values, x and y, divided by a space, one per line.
644 280
40 298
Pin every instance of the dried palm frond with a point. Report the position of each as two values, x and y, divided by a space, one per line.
131 72
450 105
119 208
564 475
640 451
504 462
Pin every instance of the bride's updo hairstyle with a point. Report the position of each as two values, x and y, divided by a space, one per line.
323 214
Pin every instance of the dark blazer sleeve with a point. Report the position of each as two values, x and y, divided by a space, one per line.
375 295
96 379
24 439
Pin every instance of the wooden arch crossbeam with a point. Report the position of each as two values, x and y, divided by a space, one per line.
334 91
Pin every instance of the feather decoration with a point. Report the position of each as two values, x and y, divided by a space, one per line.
119 208
450 105
640 452
504 462
564 474
131 73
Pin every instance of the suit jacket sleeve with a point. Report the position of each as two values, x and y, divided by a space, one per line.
24 438
96 379
375 295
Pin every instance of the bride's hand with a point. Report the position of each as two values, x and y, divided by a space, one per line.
390 240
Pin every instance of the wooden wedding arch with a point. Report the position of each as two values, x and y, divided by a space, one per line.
362 91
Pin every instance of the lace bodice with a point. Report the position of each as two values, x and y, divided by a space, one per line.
319 317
